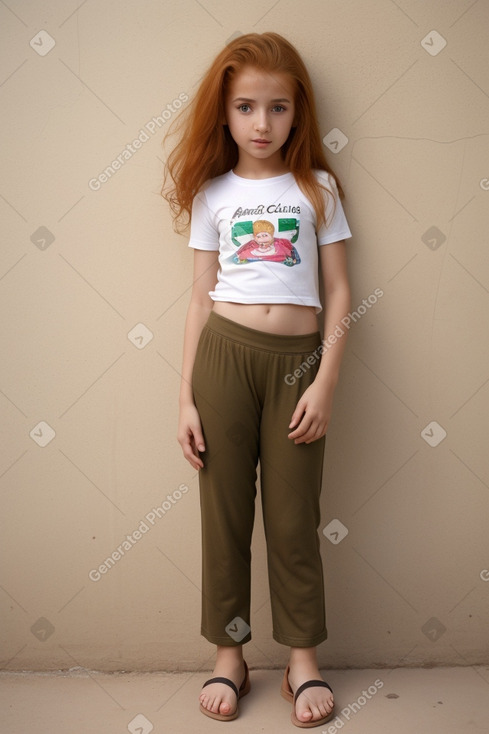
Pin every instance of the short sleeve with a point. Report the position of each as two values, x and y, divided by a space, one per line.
337 226
204 234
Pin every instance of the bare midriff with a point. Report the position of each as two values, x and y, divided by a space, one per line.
276 318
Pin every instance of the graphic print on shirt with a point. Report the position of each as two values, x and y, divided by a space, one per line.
256 241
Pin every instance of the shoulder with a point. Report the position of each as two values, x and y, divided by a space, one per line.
217 183
210 195
325 179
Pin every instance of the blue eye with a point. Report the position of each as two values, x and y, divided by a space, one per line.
241 107
279 108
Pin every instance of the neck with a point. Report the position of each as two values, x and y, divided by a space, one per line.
248 167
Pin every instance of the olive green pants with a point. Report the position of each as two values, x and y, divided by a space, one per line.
245 391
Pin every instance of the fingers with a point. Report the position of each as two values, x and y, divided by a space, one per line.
192 456
310 428
191 445
198 438
297 414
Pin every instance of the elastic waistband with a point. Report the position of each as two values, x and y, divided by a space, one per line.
293 343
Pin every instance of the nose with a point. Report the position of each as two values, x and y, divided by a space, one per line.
262 123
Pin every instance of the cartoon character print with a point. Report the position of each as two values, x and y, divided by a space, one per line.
264 246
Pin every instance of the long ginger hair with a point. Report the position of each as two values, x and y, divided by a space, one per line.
205 148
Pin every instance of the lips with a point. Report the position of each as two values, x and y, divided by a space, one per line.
261 140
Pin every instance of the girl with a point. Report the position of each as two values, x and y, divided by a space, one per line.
257 384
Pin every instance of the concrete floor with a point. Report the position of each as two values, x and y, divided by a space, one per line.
402 701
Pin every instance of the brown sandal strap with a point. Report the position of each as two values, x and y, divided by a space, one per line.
227 681
311 684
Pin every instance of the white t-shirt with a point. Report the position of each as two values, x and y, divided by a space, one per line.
265 231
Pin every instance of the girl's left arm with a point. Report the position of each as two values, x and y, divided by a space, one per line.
312 415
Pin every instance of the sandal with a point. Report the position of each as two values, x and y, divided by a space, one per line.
243 690
288 694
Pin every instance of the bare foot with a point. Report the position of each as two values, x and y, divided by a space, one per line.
316 702
219 697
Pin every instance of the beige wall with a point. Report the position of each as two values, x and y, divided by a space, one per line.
92 322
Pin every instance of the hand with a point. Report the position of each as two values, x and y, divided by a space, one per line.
311 417
190 435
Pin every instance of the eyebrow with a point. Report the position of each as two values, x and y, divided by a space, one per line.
246 99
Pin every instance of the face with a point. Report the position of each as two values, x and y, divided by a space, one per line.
260 113
264 239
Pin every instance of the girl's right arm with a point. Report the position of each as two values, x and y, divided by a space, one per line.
190 435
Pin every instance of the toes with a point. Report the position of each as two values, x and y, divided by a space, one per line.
209 703
215 704
313 711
